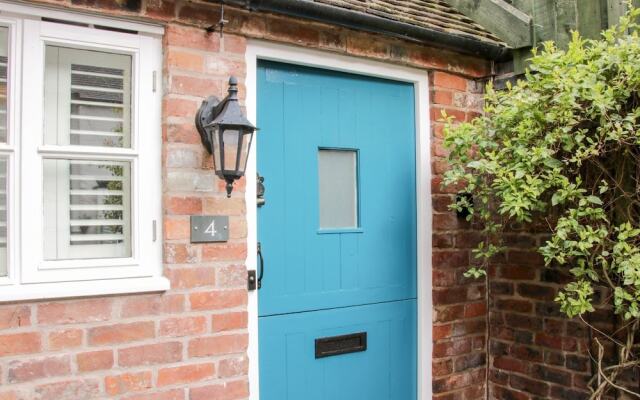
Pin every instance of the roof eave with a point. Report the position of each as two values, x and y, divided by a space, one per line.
366 22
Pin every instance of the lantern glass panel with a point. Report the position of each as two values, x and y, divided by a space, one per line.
230 148
246 146
217 165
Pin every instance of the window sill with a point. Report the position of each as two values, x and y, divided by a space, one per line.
59 290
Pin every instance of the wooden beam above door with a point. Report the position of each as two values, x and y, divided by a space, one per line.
504 20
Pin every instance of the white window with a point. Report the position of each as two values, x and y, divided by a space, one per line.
80 155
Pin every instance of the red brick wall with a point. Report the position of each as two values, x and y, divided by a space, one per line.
535 351
190 342
459 331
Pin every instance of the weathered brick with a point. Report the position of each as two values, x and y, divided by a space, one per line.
442 367
127 382
470 361
218 345
192 86
75 311
121 333
450 295
455 347
221 391
29 370
185 374
229 321
184 60
177 228
14 316
157 353
194 38
224 252
181 133
449 81
180 205
160 9
451 382
474 310
95 360
441 331
152 305
548 374
230 367
217 299
522 306
69 390
526 353
174 394
538 292
529 385
442 97
183 326
192 277
232 206
20 343
510 364
514 272
65 339
11 395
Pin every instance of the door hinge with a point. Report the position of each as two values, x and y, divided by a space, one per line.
260 190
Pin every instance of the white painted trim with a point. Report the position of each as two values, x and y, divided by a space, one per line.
31 10
58 290
8 150
261 50
145 157
76 278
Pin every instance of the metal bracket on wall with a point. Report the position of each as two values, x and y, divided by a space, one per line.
252 283
260 190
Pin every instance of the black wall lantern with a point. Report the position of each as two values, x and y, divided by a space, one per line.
226 134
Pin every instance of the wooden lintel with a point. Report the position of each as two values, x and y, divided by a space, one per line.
501 18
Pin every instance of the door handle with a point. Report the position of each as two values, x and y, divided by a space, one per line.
260 265
254 282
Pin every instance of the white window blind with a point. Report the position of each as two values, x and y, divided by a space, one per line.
87 98
87 209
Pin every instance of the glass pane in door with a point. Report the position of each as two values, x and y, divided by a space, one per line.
338 188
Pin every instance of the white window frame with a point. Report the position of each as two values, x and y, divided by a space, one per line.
8 149
29 275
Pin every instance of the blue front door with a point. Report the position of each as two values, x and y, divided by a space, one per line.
337 307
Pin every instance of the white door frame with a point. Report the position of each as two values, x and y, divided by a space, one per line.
263 50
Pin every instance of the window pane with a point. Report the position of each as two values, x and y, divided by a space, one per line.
3 217
86 209
87 98
4 57
337 177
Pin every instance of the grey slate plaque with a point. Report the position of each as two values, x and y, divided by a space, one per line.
209 228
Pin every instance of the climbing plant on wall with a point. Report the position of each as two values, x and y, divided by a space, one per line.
562 148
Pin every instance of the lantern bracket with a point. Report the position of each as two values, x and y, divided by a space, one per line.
207 113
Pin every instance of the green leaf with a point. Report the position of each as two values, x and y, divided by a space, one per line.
594 200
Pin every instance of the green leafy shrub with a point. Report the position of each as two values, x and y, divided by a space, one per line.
562 146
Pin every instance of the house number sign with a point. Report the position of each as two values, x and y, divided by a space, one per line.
209 228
